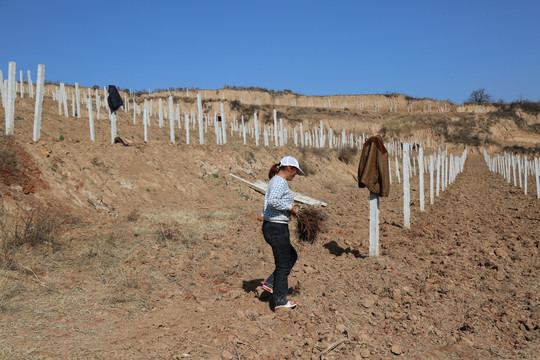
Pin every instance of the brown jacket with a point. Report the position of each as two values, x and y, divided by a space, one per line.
373 168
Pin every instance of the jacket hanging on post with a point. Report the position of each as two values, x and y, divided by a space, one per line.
114 99
373 168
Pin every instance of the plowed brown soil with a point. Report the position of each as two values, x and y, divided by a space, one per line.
160 256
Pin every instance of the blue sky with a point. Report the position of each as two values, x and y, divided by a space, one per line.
436 49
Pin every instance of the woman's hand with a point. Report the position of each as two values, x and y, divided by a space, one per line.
295 210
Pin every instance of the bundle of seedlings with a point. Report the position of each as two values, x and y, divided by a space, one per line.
309 224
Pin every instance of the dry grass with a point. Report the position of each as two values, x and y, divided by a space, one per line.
32 227
133 216
348 156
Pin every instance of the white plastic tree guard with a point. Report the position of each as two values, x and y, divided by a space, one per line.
275 128
2 91
171 119
223 125
30 86
145 121
39 101
514 169
508 164
90 120
397 170
446 169
178 116
200 118
63 96
217 131
105 96
431 178
302 140
78 99
134 112
526 173
438 168
265 137
10 110
186 125
21 84
421 176
160 113
537 177
73 113
443 173
389 170
243 130
374 211
282 133
519 171
98 105
112 118
406 188
257 130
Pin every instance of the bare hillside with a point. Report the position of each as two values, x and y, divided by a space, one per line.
152 251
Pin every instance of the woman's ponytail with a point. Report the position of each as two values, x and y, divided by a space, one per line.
273 171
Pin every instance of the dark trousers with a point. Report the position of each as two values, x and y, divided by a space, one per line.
285 256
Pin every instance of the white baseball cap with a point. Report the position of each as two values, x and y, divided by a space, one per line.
290 161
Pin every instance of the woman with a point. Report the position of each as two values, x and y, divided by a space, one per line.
278 207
